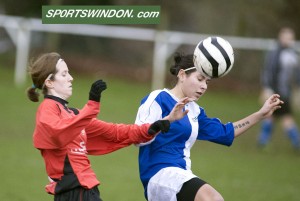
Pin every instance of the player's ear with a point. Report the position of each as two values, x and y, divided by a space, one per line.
49 84
49 81
181 75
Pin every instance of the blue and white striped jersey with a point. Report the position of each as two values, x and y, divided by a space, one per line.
172 149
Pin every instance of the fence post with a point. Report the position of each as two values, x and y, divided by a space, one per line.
23 45
160 50
163 49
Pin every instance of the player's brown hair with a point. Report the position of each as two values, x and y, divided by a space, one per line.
39 69
182 61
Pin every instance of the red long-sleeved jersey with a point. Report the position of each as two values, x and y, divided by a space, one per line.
65 136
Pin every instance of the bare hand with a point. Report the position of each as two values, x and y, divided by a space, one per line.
271 104
177 111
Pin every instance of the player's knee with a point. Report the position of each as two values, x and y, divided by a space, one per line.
217 198
208 193
210 198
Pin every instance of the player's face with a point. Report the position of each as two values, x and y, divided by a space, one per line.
62 84
287 38
195 85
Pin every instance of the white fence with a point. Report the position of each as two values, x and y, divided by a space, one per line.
165 42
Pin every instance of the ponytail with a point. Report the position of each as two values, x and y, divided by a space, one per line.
33 94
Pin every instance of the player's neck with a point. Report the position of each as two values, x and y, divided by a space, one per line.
177 92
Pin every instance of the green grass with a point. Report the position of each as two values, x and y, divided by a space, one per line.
240 172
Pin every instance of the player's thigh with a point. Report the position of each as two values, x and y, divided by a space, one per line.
208 193
288 121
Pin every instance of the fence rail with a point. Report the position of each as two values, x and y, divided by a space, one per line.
165 42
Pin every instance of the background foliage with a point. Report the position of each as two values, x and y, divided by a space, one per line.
133 59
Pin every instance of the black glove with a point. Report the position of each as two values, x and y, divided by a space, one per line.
160 125
96 90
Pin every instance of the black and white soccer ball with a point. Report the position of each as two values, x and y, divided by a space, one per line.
214 57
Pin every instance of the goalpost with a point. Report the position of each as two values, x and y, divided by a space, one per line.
165 42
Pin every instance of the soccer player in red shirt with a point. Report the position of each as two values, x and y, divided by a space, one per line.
65 135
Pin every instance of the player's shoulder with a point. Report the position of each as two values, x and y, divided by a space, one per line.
49 105
156 94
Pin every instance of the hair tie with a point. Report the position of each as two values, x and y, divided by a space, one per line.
191 68
59 60
33 86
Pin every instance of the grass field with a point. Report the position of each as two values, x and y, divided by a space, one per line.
239 173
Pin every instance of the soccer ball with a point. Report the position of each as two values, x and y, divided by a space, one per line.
214 57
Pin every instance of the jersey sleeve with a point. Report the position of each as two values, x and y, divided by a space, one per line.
212 129
104 137
54 130
149 110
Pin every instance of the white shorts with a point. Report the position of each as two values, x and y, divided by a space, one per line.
166 183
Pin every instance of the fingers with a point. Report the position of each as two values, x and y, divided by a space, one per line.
178 111
185 112
181 103
277 107
185 100
274 99
100 85
160 125
96 89
274 102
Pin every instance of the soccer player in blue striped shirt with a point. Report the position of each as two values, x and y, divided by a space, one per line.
164 162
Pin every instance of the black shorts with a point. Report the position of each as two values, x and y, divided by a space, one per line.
79 194
285 109
189 189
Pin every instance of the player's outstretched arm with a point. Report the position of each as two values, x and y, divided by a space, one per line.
177 111
271 104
